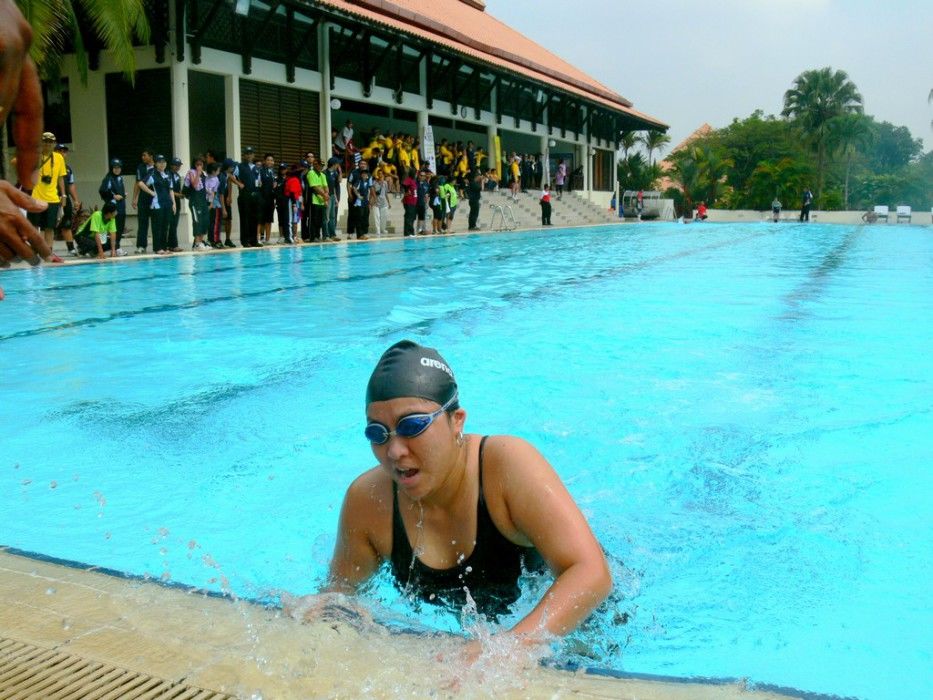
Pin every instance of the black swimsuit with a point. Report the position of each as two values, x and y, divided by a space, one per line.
490 573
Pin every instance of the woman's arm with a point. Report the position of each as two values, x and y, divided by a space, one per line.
544 513
355 556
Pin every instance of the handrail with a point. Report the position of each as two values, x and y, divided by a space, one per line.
496 209
510 222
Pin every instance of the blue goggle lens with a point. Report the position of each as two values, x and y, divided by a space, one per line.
407 426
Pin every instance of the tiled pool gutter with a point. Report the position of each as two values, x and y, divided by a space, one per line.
68 630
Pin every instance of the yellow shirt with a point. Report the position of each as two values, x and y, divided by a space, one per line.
53 168
515 169
446 155
415 159
404 157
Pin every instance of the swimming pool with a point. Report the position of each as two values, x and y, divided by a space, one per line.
742 411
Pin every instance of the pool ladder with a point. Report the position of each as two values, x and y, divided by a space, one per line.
506 218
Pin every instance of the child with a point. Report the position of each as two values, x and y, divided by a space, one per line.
293 193
217 210
379 200
363 188
546 206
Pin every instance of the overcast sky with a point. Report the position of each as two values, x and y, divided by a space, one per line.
688 62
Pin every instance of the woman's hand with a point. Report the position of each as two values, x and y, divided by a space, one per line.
326 607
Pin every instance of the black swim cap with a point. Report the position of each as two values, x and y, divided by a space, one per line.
409 369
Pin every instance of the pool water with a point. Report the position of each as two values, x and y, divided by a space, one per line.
743 412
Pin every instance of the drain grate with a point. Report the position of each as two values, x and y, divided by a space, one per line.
29 672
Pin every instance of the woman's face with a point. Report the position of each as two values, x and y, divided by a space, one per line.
421 464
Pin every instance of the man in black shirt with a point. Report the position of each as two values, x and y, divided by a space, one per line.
113 190
142 201
474 193
246 178
333 189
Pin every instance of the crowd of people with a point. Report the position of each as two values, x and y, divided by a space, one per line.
278 202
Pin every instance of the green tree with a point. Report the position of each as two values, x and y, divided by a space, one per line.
56 24
892 147
627 141
635 173
686 173
784 178
654 140
748 143
817 97
713 165
848 134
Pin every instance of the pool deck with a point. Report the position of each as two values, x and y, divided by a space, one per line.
73 632
61 249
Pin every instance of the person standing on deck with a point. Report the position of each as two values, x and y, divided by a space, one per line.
247 180
807 203
546 206
50 189
474 195
142 201
333 202
72 204
174 173
112 189
158 186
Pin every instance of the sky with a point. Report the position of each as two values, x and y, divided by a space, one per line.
688 62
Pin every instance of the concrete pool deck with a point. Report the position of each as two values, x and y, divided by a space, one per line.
77 633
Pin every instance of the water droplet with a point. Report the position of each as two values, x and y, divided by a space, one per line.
469 569
66 624
50 591
107 535
163 551
453 541
26 482
53 484
432 596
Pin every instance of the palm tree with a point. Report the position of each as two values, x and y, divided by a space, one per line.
846 134
817 97
686 172
56 22
627 140
654 141
713 167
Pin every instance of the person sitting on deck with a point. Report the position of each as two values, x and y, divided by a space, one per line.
701 211
457 515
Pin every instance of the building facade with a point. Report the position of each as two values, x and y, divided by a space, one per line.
280 76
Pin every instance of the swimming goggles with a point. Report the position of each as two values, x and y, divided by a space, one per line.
407 427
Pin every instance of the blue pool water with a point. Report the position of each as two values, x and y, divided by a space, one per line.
742 411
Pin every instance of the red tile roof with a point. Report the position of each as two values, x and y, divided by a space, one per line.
456 24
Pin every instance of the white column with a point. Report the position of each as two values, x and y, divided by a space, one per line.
181 138
232 115
546 159
491 131
323 43
615 174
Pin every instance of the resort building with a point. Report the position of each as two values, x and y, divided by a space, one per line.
280 76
